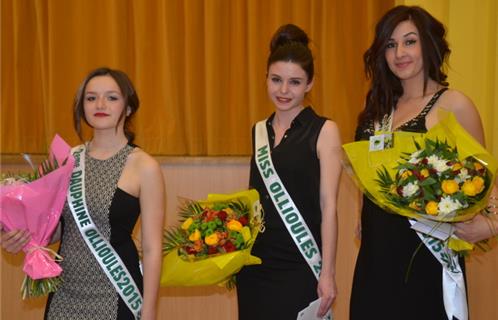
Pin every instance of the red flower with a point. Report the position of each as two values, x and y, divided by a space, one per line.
222 215
190 250
204 213
399 190
229 246
243 220
212 250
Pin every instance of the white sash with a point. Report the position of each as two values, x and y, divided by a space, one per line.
107 257
454 294
288 211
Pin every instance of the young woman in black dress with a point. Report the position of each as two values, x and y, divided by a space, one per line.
305 150
405 64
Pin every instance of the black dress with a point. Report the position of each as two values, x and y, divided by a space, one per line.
86 293
384 285
284 284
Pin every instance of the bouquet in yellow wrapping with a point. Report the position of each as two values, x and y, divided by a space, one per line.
213 241
443 175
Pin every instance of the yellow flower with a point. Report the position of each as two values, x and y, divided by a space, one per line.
478 166
469 189
246 233
196 235
414 205
449 186
457 166
393 189
406 174
186 224
234 225
212 239
424 173
431 208
478 183
230 212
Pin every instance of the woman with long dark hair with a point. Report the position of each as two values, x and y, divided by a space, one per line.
396 276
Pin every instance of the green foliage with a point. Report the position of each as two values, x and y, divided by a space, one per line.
36 288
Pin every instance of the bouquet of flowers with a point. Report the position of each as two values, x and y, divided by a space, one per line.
34 202
443 175
434 183
213 241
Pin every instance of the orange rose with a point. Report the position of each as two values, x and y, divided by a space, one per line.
478 183
212 239
234 225
478 166
186 224
431 208
406 174
424 173
196 235
449 186
469 189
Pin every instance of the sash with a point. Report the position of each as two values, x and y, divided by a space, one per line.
454 293
288 211
106 256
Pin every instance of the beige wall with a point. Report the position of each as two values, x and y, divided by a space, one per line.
194 178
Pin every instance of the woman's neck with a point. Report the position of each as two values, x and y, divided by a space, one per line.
414 88
105 144
283 119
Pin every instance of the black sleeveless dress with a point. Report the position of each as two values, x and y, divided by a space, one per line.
86 292
380 290
284 284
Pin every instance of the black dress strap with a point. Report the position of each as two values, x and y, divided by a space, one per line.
417 124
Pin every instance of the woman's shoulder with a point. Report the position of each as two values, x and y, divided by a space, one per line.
143 162
456 101
330 132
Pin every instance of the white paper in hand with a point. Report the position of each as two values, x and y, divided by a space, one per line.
435 229
309 313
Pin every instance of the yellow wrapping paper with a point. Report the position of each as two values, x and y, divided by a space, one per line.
219 268
365 164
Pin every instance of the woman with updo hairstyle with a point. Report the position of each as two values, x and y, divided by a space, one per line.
301 149
396 275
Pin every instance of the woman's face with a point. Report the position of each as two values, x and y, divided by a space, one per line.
404 52
103 103
287 84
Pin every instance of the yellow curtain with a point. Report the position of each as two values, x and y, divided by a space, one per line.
473 36
199 66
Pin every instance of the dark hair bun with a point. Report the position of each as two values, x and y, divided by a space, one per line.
287 34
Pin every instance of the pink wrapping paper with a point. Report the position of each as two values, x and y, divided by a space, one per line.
37 207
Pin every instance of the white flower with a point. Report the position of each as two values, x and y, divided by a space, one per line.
410 189
437 163
462 176
448 205
414 157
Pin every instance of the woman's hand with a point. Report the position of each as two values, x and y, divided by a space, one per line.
327 290
13 241
477 229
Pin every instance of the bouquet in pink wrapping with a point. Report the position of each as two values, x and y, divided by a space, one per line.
34 202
